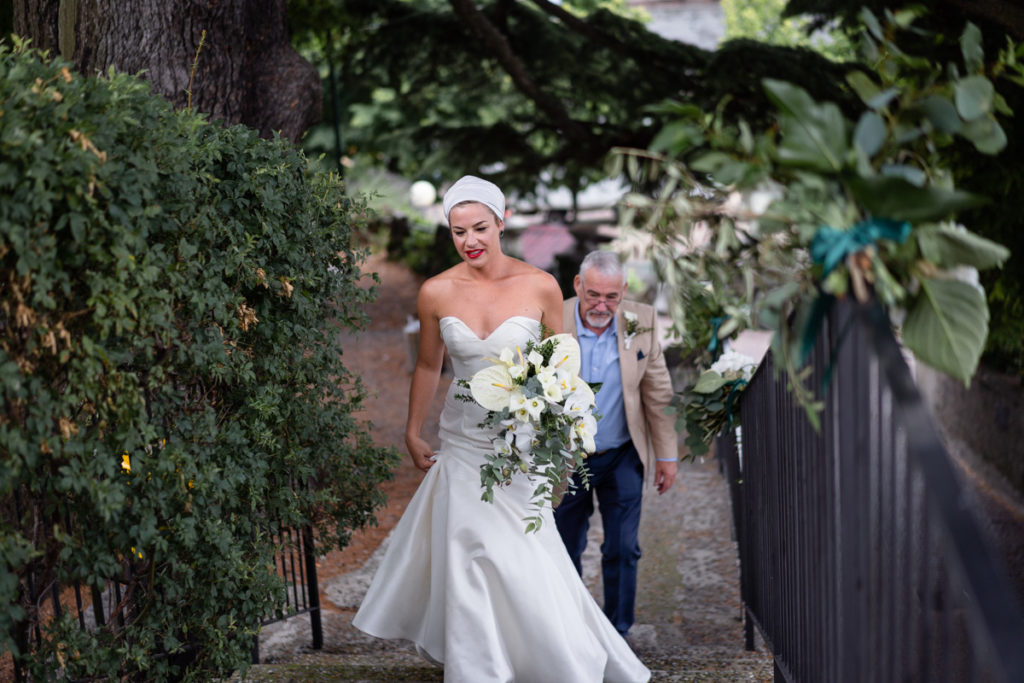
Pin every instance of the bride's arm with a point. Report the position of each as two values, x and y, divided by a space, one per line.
551 304
424 381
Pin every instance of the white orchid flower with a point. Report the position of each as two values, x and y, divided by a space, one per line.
536 360
553 391
519 435
580 401
516 401
507 357
584 429
535 406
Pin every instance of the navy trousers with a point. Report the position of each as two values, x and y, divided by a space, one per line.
617 478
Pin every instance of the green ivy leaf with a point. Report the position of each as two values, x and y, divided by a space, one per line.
947 325
813 134
947 247
898 199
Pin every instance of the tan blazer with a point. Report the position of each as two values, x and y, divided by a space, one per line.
646 384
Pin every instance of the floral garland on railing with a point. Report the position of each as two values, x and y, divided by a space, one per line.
709 405
767 230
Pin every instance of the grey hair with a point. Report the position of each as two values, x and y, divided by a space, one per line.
604 262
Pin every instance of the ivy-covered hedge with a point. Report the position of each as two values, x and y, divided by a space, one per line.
171 293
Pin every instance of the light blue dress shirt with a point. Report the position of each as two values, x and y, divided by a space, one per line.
600 363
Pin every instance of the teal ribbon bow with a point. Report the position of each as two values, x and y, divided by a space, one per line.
831 246
737 386
713 345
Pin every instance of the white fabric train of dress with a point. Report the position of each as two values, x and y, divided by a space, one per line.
464 582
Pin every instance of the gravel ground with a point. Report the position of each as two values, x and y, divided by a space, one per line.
688 608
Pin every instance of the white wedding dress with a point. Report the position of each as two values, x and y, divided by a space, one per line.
463 581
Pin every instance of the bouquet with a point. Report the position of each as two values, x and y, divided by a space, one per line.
710 404
545 416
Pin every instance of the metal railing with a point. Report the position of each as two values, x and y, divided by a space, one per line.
92 608
862 558
295 561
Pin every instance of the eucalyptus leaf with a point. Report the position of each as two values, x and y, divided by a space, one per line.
869 134
987 136
941 113
896 198
677 137
911 174
870 22
971 48
947 325
862 84
709 382
946 247
973 97
882 99
709 162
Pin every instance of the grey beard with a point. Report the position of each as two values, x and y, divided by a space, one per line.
600 321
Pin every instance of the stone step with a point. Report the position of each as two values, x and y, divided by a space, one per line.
700 664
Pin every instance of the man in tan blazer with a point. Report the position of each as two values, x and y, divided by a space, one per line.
620 349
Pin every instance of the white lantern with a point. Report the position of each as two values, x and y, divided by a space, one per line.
422 194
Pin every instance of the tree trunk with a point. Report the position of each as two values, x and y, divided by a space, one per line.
246 73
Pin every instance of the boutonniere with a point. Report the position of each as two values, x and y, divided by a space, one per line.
632 328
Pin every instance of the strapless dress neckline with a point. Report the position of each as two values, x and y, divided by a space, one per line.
492 332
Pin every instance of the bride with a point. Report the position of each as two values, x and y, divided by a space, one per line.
461 579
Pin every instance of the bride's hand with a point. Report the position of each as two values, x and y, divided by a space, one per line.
421 452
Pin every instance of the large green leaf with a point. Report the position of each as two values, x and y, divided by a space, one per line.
946 246
947 325
896 198
813 134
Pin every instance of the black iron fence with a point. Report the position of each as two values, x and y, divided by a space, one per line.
92 608
295 561
862 558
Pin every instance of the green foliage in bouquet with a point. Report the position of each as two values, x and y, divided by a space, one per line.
171 294
774 225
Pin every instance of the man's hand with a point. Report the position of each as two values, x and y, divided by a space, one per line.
665 475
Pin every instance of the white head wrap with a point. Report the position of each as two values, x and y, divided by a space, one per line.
469 188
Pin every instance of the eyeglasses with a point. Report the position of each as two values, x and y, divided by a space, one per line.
594 298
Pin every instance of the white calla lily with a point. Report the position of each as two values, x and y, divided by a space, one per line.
566 354
492 387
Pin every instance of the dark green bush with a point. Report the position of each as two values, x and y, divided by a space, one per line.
171 294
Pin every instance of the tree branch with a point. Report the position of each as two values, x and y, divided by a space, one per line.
576 24
478 24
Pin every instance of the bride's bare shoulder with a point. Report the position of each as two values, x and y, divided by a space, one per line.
439 285
537 277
